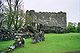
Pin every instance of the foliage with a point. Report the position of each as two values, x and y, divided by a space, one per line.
1 13
14 15
78 27
71 27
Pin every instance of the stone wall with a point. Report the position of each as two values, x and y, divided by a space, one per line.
48 19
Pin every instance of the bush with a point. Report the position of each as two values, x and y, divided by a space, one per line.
71 27
78 27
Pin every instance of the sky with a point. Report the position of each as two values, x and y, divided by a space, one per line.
71 7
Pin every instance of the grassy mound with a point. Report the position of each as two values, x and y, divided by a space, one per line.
54 43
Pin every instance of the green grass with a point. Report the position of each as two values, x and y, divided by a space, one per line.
54 43
5 44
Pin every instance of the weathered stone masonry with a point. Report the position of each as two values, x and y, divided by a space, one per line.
50 21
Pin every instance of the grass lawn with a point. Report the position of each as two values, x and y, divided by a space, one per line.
54 43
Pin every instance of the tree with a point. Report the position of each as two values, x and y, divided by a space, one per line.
17 18
1 13
71 27
14 18
9 15
78 27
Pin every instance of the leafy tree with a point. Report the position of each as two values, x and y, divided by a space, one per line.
9 17
71 27
14 15
78 27
17 19
1 13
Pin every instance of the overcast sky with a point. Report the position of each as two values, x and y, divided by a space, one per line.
71 7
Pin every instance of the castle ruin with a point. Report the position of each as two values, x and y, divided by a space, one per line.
48 21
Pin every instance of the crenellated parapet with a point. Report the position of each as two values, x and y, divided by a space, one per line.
57 19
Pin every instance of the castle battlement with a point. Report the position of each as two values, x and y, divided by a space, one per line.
57 19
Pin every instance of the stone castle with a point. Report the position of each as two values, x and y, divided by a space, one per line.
48 21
